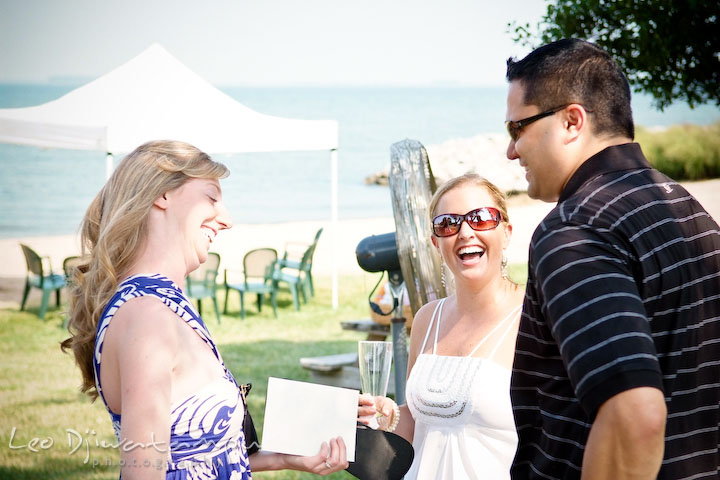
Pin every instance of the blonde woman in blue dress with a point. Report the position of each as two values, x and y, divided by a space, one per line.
140 344
458 414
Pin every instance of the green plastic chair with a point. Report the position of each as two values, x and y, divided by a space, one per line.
295 276
41 278
258 268
202 283
69 265
306 268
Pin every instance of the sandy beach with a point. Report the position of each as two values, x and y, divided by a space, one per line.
232 244
524 212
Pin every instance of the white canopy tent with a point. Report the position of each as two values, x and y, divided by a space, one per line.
154 96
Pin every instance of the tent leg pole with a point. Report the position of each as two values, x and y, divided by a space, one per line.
108 165
334 218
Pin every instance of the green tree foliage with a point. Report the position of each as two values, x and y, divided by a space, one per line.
668 48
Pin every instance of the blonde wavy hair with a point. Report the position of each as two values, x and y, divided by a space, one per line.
470 179
114 229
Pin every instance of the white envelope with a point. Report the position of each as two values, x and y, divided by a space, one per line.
300 416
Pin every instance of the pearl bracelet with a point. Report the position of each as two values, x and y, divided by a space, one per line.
395 418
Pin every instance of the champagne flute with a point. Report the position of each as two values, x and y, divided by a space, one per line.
374 359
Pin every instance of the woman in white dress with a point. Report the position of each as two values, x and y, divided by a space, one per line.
458 414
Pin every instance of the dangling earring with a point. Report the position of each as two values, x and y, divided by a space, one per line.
442 276
503 266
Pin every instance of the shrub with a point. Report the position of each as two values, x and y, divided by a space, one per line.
683 152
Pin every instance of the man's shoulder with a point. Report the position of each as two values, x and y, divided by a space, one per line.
607 197
599 205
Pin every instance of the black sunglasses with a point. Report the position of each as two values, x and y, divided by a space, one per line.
514 126
448 224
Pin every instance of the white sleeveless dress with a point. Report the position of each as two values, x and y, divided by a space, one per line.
464 426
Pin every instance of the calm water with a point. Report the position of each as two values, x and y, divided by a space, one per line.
47 191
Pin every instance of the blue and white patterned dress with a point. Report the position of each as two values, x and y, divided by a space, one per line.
206 437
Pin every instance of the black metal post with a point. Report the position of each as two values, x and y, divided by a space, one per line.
399 334
399 338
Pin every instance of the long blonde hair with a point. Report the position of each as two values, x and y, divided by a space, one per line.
114 229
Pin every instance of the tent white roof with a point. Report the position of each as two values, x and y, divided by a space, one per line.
154 96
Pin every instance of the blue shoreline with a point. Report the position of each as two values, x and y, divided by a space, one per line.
46 192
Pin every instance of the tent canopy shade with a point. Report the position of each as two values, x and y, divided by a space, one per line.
155 97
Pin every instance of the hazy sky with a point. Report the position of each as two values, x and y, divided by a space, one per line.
268 42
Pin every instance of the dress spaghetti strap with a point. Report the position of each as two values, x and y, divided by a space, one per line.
500 324
436 313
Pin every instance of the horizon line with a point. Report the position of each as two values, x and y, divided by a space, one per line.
75 82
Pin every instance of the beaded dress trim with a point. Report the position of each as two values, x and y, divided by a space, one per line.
448 380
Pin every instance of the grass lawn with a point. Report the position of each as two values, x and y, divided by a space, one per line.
48 430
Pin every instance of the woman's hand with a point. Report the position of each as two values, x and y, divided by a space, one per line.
369 406
330 459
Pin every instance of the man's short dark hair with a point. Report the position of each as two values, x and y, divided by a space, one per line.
575 71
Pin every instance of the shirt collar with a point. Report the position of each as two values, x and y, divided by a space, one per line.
627 156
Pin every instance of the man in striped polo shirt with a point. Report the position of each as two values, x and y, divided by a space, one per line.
617 367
